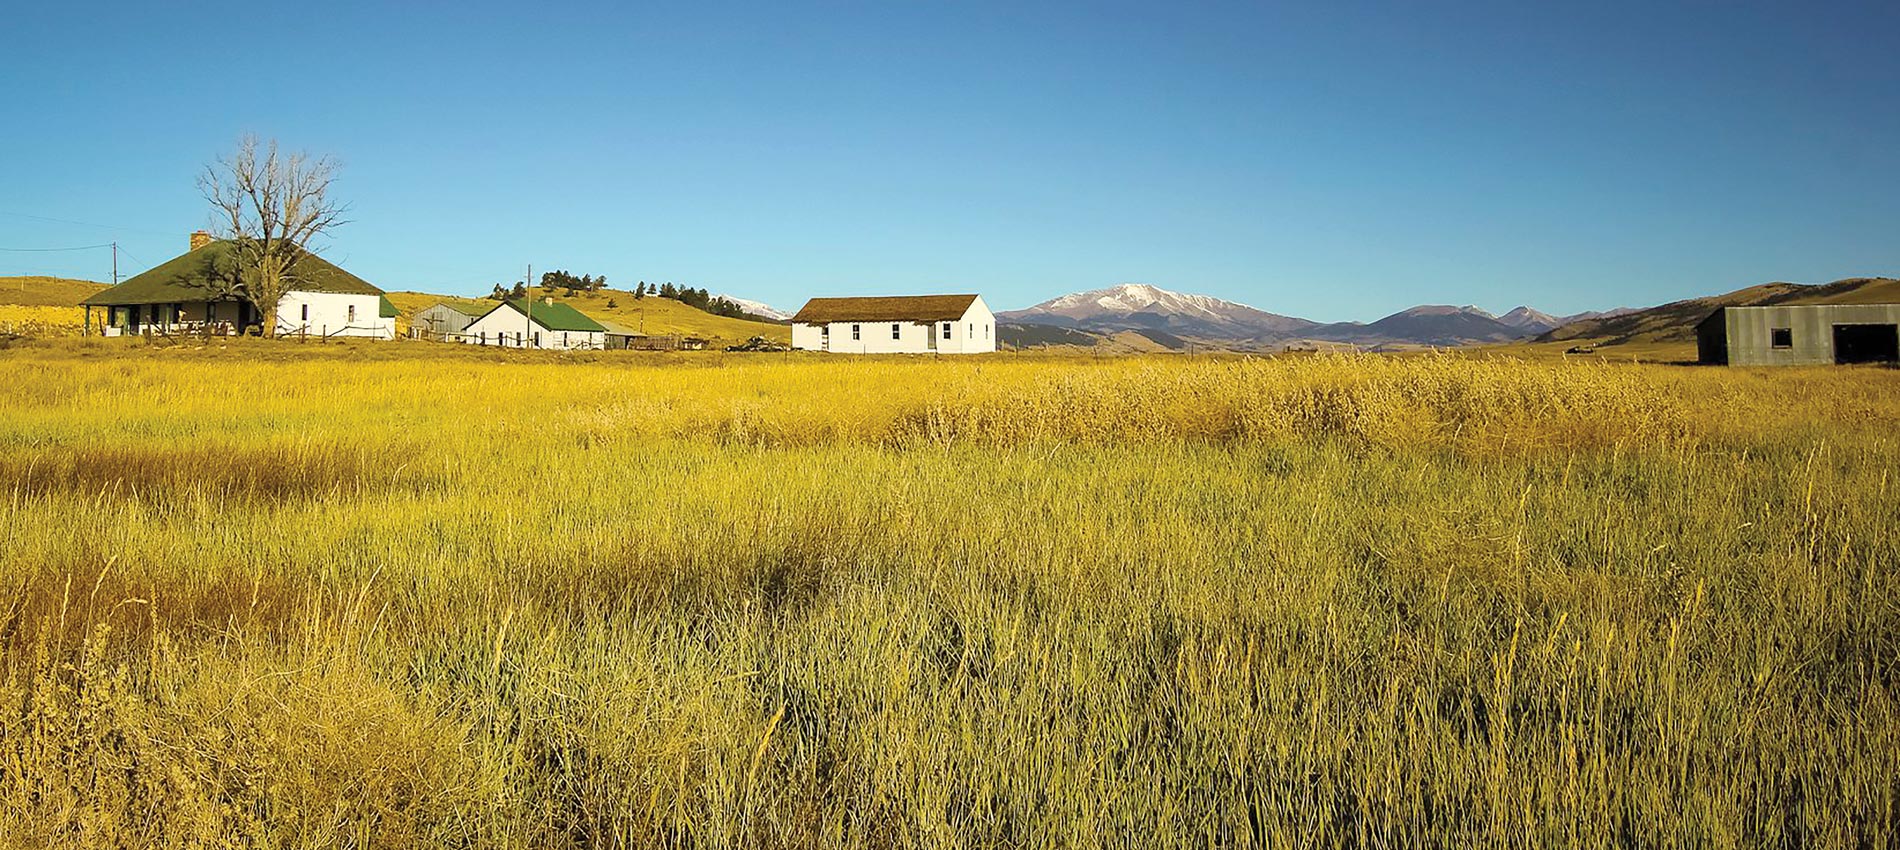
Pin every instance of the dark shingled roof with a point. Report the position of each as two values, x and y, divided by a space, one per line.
194 277
891 308
555 317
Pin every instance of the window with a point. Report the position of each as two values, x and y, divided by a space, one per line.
1781 338
986 331
971 333
895 332
824 331
946 330
352 314
854 332
537 338
305 316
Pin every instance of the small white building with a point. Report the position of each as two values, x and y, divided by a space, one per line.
900 324
193 293
553 326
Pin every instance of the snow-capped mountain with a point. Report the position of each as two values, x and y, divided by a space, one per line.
1143 306
1531 321
758 308
1187 319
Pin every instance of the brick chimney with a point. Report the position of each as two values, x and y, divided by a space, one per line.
200 238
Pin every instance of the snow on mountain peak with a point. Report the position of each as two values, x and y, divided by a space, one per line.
1137 298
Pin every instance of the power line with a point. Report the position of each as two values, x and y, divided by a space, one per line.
74 248
129 254
79 223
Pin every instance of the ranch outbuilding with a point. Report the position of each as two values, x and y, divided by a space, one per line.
520 323
1800 335
445 321
902 324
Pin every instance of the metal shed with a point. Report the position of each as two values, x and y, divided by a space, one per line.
445 321
1800 335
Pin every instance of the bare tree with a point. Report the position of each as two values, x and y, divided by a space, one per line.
270 207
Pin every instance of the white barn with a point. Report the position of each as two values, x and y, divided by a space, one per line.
192 293
554 326
901 324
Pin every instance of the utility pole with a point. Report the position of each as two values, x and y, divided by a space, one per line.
115 264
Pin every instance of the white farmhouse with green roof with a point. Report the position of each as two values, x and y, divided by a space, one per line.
196 292
554 325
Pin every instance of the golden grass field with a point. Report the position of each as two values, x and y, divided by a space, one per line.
261 594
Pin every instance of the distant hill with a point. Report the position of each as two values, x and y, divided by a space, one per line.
1426 325
37 291
1675 322
1185 321
1018 335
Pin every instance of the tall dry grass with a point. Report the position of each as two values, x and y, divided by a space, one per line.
269 595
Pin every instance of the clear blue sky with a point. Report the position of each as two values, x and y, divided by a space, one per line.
1332 160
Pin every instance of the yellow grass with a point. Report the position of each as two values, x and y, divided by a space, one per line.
42 321
412 595
41 291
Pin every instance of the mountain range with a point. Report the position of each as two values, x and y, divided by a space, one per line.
1216 322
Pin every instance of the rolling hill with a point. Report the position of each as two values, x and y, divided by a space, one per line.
1675 322
38 291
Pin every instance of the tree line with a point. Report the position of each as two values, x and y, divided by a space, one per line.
590 285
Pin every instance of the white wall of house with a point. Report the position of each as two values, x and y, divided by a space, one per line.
509 329
972 333
333 314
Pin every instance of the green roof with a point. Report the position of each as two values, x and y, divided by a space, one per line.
201 275
385 309
555 317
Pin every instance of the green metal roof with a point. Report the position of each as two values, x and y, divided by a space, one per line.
385 309
555 317
201 275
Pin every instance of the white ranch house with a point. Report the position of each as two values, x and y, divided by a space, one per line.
900 324
554 326
192 293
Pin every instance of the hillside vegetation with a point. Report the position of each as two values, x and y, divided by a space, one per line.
493 598
1675 322
37 291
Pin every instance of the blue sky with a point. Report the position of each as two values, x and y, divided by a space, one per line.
1332 160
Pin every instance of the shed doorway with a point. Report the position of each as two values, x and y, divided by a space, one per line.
1866 343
